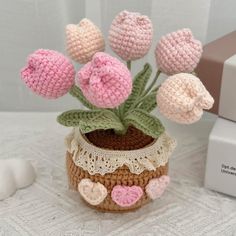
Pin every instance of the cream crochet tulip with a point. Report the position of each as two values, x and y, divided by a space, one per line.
182 98
83 41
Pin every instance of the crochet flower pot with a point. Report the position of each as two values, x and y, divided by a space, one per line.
118 173
118 152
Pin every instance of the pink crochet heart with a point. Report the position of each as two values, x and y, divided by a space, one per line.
156 187
126 196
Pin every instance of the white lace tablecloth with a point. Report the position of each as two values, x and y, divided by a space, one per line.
49 208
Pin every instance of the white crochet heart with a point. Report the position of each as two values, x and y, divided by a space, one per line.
15 174
93 193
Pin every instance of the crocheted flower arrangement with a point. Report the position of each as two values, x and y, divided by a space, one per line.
115 100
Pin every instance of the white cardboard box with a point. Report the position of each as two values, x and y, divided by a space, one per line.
227 105
221 158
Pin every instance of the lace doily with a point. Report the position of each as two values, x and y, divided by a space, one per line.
101 161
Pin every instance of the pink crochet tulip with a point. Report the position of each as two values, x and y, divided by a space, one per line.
178 52
182 98
48 73
130 35
105 81
83 41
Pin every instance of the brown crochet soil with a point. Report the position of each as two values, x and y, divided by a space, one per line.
133 139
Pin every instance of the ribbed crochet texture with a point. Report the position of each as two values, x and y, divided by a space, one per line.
121 176
105 81
182 98
130 35
178 52
83 41
98 160
48 73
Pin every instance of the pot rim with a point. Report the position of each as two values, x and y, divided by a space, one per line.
83 140
98 160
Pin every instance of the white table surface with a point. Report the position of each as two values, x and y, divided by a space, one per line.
49 208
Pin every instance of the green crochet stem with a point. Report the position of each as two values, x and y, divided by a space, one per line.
143 98
139 84
128 64
153 83
146 92
121 132
120 108
156 88
149 103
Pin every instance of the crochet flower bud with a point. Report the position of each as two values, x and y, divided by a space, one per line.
182 98
105 81
48 73
178 52
130 35
83 41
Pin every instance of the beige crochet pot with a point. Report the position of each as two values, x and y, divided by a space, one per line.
96 171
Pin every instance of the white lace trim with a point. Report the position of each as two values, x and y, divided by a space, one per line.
97 160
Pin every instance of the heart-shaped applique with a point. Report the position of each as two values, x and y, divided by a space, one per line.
93 193
126 196
156 187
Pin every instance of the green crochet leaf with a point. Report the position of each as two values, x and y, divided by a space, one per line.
103 121
88 121
72 118
139 84
149 103
145 122
76 92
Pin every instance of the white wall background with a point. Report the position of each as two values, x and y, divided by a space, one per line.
222 18
27 25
